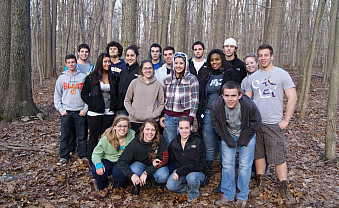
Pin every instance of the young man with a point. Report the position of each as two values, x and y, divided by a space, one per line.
188 153
235 119
165 69
115 50
197 64
83 65
155 56
268 86
230 50
67 100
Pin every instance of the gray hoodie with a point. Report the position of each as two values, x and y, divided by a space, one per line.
67 92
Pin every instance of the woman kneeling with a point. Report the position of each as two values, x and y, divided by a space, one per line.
188 151
145 156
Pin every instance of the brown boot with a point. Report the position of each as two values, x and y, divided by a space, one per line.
286 194
259 188
100 194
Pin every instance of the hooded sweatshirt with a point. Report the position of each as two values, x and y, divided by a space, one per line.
67 92
144 100
118 67
159 64
181 95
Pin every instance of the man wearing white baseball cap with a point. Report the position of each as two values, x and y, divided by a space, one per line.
230 48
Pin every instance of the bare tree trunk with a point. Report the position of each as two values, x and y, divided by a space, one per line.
165 21
100 16
295 34
81 21
332 103
19 100
308 67
5 44
53 38
200 20
111 4
219 24
47 33
246 27
178 24
129 21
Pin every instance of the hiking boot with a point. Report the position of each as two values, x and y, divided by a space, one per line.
208 165
135 190
259 188
101 193
222 201
240 203
62 161
286 194
160 188
217 189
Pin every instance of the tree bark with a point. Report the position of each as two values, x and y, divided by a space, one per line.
53 46
129 21
165 20
111 4
246 27
220 15
308 69
178 24
19 100
200 20
332 103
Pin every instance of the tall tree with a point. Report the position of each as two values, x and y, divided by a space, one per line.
275 23
19 100
129 22
111 4
219 32
307 69
164 22
332 103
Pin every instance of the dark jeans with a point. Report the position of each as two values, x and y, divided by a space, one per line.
111 168
73 142
72 122
97 125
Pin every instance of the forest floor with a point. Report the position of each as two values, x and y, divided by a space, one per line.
29 176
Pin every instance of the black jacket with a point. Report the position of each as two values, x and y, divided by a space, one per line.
191 158
250 120
138 151
193 70
91 93
126 77
239 71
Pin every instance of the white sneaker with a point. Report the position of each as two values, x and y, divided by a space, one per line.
62 161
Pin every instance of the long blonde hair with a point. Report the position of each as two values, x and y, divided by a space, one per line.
111 134
156 139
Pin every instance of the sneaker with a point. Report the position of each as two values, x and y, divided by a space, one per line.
192 200
286 194
240 203
222 201
217 189
62 161
259 188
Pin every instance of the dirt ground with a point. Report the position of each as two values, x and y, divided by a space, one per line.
29 176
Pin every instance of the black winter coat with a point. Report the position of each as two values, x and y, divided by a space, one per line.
239 71
91 93
191 158
250 120
193 70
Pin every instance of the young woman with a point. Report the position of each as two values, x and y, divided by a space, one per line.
251 62
188 153
106 154
99 93
181 96
145 156
145 97
126 76
216 75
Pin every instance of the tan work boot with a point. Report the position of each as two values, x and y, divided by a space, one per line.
259 188
286 194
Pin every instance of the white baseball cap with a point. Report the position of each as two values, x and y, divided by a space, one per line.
231 41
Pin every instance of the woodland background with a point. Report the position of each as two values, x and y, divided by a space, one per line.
36 35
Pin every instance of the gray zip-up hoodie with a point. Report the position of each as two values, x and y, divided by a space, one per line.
67 92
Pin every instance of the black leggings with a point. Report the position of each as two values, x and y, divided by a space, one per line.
97 125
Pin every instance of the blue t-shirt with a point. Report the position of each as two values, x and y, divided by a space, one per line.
213 89
156 66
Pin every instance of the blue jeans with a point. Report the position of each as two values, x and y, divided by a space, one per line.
246 155
210 137
171 129
72 119
111 168
160 176
191 181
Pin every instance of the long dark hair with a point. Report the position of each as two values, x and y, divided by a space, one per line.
99 69
225 65
156 139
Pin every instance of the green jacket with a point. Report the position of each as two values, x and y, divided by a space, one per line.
104 149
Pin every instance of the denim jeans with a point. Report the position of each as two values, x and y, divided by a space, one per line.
210 137
72 119
191 182
171 129
111 168
160 176
246 155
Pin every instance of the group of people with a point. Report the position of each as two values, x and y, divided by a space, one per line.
140 118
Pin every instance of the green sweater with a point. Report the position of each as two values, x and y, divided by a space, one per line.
104 149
